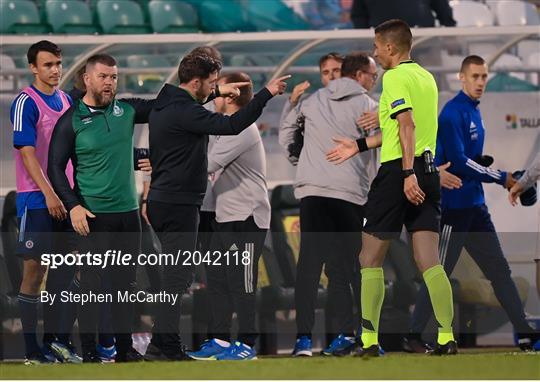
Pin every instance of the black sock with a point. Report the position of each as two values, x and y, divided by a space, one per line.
68 315
28 309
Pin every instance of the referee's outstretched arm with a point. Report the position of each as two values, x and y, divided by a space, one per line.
347 148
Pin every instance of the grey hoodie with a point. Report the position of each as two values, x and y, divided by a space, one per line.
531 175
332 112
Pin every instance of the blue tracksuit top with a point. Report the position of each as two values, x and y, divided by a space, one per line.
460 138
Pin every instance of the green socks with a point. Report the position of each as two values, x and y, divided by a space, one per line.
440 294
372 296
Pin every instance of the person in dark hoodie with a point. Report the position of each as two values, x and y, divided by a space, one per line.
179 129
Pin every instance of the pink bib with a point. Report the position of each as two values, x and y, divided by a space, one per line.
44 129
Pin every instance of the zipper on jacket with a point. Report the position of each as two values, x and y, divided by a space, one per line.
97 111
104 114
107 122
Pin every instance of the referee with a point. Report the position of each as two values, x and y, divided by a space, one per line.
406 189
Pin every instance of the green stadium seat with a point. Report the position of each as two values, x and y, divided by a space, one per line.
256 60
144 6
274 15
121 17
147 61
147 82
220 16
69 16
21 17
168 16
505 82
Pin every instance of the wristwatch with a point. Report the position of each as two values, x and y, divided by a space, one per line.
407 173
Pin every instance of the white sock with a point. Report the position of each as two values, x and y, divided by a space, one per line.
222 343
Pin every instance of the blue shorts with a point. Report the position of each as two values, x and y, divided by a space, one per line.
39 233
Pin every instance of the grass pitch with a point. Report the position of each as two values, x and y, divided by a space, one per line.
471 365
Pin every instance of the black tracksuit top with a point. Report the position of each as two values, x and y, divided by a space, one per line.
179 129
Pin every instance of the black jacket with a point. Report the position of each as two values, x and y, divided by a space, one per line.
370 13
179 129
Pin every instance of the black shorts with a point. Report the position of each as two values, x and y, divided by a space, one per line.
388 209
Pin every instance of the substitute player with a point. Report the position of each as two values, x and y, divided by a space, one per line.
34 113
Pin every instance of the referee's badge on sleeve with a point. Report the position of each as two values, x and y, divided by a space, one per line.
398 102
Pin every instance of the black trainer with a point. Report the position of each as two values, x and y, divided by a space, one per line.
369 352
412 343
91 357
526 341
37 359
153 353
131 355
449 348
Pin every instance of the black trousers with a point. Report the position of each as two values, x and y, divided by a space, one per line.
109 231
176 227
232 281
330 236
473 229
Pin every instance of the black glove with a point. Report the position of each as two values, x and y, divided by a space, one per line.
484 160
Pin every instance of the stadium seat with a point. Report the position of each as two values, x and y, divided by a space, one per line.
514 12
452 61
504 82
470 13
21 17
145 9
274 15
7 82
221 16
534 61
148 82
121 17
256 60
528 47
68 16
509 60
169 16
517 12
